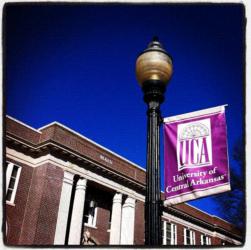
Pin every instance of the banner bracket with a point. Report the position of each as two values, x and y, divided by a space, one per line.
161 120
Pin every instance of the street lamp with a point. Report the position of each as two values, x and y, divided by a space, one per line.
153 71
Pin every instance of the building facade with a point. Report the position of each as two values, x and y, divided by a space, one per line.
64 189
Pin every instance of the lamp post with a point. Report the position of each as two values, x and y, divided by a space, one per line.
153 71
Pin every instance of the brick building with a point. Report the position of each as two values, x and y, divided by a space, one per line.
62 188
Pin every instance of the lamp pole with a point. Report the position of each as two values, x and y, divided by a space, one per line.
153 71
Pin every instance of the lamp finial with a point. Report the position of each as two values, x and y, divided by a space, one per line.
155 39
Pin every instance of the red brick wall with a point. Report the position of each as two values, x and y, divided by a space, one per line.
100 233
40 216
180 234
47 133
224 224
15 214
197 237
104 204
216 241
139 225
48 211
22 131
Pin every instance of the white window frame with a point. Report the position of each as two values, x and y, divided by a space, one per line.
205 240
92 219
110 221
191 236
209 240
9 170
173 240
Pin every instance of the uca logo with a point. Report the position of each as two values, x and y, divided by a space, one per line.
194 144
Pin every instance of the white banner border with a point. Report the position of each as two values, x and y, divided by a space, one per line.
197 194
194 114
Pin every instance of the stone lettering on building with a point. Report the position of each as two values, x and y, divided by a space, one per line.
104 158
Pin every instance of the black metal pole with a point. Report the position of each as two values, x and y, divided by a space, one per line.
153 91
153 71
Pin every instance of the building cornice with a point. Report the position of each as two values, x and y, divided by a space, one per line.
23 124
73 168
70 142
89 140
51 147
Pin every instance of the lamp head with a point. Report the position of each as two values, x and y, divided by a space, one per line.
154 63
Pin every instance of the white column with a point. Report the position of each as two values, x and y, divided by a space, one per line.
77 213
116 219
164 232
127 224
63 210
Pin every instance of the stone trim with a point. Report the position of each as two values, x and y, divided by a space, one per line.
127 222
132 177
77 213
116 219
73 168
63 210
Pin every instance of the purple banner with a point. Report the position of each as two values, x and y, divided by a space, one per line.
195 155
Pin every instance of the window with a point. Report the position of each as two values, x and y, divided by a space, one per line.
189 237
90 213
12 178
169 233
110 219
205 240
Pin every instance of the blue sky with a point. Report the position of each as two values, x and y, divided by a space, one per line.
75 64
